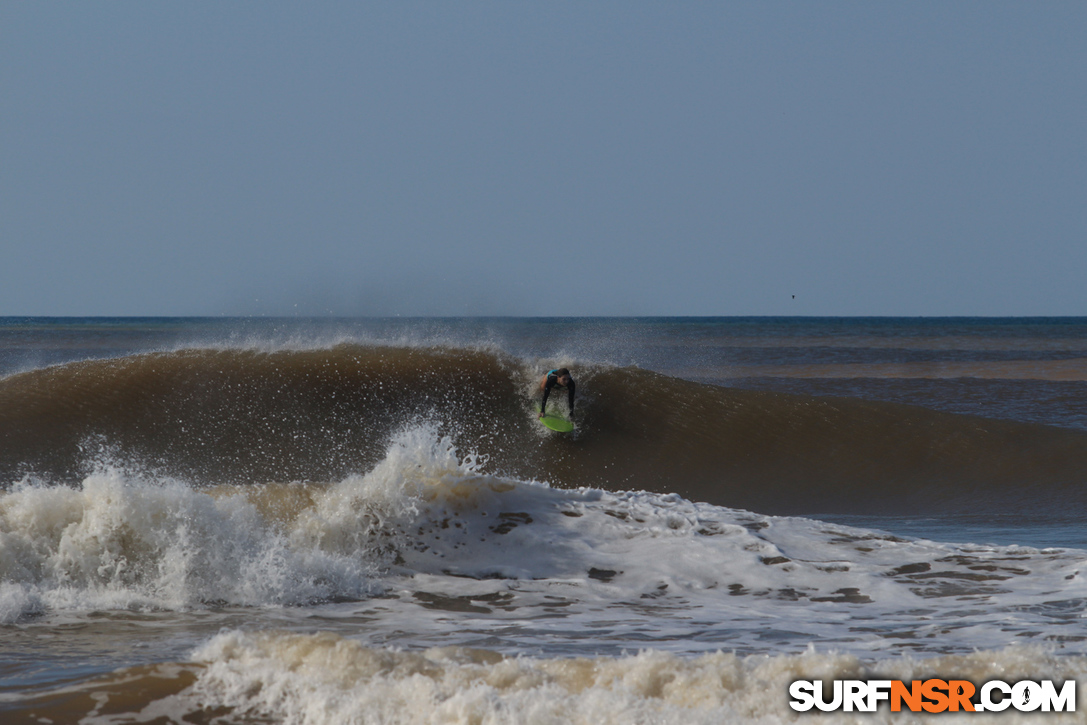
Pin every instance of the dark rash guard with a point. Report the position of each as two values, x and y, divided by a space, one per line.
552 382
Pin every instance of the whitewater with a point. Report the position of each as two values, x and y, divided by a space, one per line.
333 532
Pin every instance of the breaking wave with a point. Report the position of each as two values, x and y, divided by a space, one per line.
213 417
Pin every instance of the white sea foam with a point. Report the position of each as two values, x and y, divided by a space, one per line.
467 558
118 543
327 679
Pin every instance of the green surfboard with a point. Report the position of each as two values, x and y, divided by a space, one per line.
555 423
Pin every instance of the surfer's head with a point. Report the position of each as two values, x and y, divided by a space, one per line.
563 376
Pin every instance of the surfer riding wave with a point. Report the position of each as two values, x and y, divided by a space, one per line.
557 378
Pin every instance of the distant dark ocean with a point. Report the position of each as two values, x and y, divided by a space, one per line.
360 520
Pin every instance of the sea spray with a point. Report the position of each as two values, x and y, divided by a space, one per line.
121 540
118 543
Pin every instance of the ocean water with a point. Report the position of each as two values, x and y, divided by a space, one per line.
325 521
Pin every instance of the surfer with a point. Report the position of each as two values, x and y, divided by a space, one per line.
560 378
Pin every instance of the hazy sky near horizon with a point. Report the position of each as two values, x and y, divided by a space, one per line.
599 158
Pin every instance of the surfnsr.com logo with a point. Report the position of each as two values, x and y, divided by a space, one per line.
934 695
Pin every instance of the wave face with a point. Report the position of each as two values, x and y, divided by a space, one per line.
229 416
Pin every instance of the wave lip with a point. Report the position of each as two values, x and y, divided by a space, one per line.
1074 369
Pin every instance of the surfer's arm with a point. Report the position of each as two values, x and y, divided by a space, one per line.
570 395
547 391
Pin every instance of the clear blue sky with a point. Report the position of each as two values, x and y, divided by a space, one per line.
870 158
